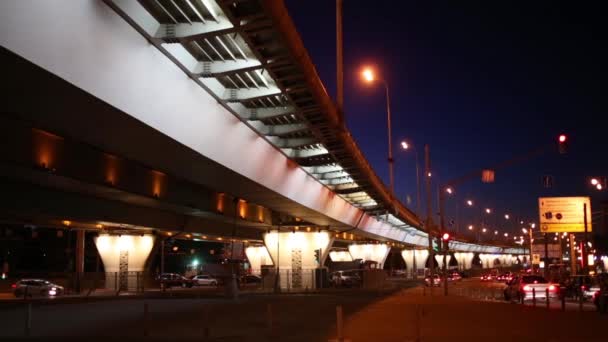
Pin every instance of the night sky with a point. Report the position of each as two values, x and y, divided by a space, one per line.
480 83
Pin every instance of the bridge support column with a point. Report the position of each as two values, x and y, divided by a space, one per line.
484 260
408 257
258 256
465 259
293 253
370 252
421 256
123 256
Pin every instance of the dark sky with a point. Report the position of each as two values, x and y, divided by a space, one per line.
480 83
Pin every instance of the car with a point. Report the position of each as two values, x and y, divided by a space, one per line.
436 280
36 288
505 277
174 279
204 279
454 276
251 279
526 287
345 278
487 277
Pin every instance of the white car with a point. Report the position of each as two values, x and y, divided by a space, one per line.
204 280
36 288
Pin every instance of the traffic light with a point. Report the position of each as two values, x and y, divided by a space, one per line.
562 144
318 256
445 240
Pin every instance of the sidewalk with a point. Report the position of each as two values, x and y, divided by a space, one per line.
395 318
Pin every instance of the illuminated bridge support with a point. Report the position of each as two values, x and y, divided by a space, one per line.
258 256
124 257
294 254
370 252
408 257
421 257
465 259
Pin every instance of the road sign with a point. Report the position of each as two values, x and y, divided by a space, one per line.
535 259
563 214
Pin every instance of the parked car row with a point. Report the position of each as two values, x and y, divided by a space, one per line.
177 280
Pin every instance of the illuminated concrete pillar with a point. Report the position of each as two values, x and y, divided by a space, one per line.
484 260
408 257
421 257
465 260
370 252
124 257
294 254
340 256
258 256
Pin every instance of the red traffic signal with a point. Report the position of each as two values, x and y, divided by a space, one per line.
445 236
562 138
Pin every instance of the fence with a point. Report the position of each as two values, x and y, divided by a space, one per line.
89 281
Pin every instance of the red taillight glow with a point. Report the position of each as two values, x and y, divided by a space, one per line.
552 287
527 288
14 286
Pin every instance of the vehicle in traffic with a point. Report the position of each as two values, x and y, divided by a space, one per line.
345 279
436 280
454 276
527 287
251 279
174 280
204 280
505 277
487 277
36 288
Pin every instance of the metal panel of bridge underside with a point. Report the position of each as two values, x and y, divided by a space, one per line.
96 50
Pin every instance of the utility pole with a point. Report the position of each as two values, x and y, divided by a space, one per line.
584 252
572 254
429 212
339 63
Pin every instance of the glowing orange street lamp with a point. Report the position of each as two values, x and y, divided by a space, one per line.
369 77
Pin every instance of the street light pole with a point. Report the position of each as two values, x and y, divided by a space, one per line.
390 139
417 182
429 213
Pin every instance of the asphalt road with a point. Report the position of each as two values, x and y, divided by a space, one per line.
493 291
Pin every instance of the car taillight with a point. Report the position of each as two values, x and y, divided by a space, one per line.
13 286
596 294
552 287
527 288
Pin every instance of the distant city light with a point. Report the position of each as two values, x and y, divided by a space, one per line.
488 210
404 145
469 203
507 216
594 181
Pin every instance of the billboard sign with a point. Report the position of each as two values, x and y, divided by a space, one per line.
563 214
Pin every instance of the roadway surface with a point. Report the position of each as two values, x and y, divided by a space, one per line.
475 289
401 315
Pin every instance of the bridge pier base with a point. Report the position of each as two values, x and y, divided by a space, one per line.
123 257
294 257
